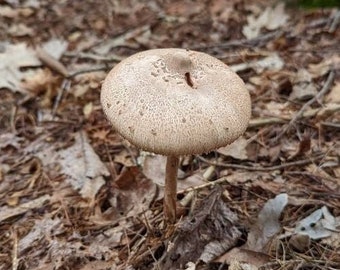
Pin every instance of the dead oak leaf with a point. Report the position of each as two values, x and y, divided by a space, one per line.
12 59
83 166
235 150
267 224
100 134
207 233
133 193
334 94
271 19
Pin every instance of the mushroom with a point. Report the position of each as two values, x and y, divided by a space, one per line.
175 102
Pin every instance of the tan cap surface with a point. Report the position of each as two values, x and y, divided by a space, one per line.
176 101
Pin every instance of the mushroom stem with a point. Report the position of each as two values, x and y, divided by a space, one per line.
170 192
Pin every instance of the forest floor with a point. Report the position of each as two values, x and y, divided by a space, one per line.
75 195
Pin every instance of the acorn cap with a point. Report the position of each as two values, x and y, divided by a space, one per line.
176 101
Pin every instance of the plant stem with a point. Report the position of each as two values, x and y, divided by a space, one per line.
170 191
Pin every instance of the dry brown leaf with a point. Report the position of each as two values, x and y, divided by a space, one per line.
334 240
334 94
204 235
8 12
83 167
12 59
20 30
40 81
267 224
45 228
133 193
272 62
303 86
318 70
124 158
55 47
7 212
271 18
10 139
244 256
235 150
184 8
221 10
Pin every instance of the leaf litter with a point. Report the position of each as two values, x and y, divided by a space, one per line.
74 195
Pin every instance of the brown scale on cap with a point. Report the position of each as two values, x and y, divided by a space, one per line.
177 101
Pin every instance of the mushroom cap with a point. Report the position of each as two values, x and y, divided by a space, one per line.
176 101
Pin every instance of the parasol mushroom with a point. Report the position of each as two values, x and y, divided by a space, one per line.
175 102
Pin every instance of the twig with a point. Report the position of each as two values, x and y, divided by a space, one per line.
260 168
335 22
244 42
262 121
307 104
15 261
88 70
330 124
96 57
51 62
66 84
209 184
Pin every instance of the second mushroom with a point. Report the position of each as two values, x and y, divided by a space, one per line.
175 102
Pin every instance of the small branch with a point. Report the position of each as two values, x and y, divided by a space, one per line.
51 62
335 22
260 168
209 184
96 57
88 70
15 260
320 112
66 84
244 42
323 91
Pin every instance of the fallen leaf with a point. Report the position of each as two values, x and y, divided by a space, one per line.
12 59
334 240
46 227
121 40
334 94
124 158
267 224
133 193
270 18
329 63
235 150
319 224
83 166
55 47
204 235
272 62
10 139
8 12
40 81
303 86
20 30
7 212
244 256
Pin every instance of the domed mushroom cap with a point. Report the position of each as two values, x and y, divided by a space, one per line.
176 101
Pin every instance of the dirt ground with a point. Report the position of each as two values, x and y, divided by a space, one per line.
75 195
